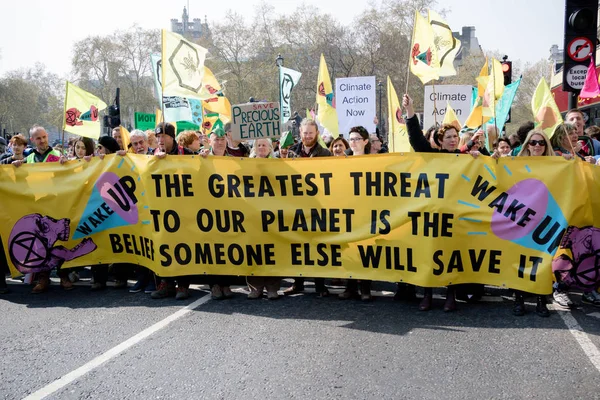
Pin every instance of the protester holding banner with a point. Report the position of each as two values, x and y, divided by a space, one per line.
116 134
359 146
447 137
263 148
309 147
83 147
18 144
139 142
338 146
189 140
536 144
42 152
220 285
165 136
522 133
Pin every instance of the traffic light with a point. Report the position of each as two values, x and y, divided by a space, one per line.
507 71
581 38
113 119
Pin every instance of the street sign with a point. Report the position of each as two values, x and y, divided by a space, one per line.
580 49
576 76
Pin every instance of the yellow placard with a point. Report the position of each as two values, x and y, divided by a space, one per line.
430 220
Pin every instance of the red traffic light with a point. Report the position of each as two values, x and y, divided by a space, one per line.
505 67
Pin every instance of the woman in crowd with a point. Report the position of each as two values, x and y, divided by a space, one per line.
189 140
83 147
18 144
106 145
263 148
536 144
565 141
287 141
447 139
359 146
473 142
338 146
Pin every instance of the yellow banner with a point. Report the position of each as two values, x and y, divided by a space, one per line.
430 220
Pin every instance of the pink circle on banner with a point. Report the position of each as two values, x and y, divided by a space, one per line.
108 181
534 195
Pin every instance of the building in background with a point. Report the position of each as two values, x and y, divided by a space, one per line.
469 45
194 29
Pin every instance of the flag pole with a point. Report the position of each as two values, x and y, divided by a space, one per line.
435 109
410 52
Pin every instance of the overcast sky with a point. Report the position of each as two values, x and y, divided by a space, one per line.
45 30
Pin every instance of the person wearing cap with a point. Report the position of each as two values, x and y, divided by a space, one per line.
287 141
165 136
43 152
107 145
309 147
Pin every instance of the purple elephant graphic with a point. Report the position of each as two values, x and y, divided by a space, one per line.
31 244
583 270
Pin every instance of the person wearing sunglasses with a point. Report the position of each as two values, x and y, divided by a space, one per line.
536 144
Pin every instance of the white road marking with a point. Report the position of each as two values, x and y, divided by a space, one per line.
595 315
115 351
589 348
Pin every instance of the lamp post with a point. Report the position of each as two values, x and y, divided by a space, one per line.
279 63
380 88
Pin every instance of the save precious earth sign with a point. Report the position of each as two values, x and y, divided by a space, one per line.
355 103
251 121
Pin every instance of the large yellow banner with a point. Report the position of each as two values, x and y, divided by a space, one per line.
430 220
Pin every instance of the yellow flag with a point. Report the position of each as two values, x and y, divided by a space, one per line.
182 67
447 46
159 116
81 112
214 99
545 112
451 118
125 139
326 114
424 62
398 137
208 121
498 78
476 117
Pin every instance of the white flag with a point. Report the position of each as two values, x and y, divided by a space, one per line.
182 67
175 108
288 79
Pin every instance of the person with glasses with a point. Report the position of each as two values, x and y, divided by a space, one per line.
565 142
359 146
536 144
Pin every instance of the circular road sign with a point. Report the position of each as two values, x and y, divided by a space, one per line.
580 49
576 76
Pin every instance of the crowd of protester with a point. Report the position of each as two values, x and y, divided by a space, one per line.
569 141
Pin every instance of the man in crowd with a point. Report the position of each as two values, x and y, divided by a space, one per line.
116 134
165 136
309 147
575 117
139 142
235 148
42 152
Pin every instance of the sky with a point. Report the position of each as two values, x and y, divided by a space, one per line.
45 30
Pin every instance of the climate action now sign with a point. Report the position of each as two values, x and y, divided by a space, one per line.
255 121
355 103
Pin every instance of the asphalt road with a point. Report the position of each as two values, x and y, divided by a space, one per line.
297 347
